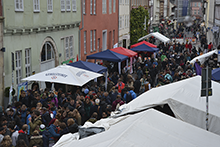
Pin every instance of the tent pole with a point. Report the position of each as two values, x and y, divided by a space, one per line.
119 67
106 80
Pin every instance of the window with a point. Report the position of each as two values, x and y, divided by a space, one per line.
91 6
49 5
199 4
84 6
18 66
94 39
127 2
114 6
71 46
74 5
27 62
67 47
195 12
104 7
84 42
91 41
120 22
113 38
98 44
94 6
68 6
47 52
121 2
195 4
62 4
36 5
123 18
110 6
19 5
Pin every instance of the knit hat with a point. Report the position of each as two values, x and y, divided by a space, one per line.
42 127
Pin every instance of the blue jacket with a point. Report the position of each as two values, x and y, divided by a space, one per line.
133 94
23 115
52 130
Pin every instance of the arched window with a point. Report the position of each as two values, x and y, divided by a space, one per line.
47 52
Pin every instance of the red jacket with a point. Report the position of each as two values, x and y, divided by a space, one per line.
120 86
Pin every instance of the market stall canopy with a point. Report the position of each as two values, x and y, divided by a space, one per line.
156 35
89 66
65 74
108 55
202 58
144 48
144 42
124 51
185 101
147 128
216 74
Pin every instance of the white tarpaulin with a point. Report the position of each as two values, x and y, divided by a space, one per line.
147 128
65 74
203 58
156 35
184 99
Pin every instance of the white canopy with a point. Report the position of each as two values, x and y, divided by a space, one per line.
184 99
148 128
156 35
202 58
65 74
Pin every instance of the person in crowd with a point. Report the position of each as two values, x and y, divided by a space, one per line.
53 98
118 102
93 118
120 85
14 133
23 134
36 139
21 143
72 126
53 131
2 133
37 121
6 142
45 135
45 116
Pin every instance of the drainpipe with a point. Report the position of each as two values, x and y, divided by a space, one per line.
80 30
118 22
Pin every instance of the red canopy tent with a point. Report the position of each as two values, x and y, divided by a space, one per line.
125 52
144 42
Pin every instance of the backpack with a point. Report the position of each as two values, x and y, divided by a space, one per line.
128 97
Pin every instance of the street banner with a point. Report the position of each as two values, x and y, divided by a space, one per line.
22 86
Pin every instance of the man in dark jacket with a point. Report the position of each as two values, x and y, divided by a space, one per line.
137 85
45 134
36 122
81 110
23 134
46 118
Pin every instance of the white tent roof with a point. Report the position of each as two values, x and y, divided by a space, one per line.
184 99
156 35
202 58
65 74
148 128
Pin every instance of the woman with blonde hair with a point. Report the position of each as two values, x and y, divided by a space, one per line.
6 142
77 116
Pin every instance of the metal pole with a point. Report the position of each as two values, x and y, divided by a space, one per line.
207 100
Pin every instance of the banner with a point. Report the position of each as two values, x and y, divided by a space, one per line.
22 86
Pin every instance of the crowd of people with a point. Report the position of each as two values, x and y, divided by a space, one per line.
41 117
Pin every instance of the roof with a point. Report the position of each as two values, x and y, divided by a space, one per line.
144 48
184 99
144 42
156 35
148 128
108 55
124 51
89 66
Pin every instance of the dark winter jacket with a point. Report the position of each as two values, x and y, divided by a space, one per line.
24 136
46 136
73 128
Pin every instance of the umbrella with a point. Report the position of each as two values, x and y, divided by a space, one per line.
65 74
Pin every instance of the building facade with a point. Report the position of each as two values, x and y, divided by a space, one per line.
124 23
99 26
196 9
39 35
1 57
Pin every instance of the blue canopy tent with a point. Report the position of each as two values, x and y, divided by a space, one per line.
91 67
109 55
144 48
216 74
